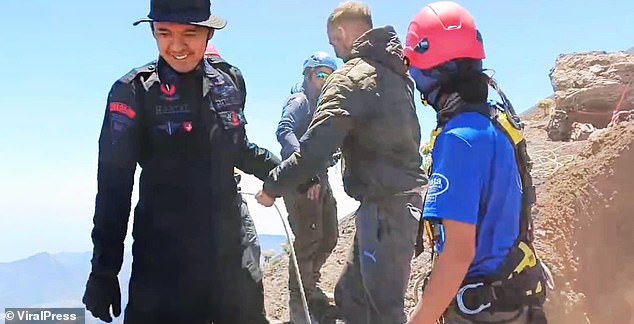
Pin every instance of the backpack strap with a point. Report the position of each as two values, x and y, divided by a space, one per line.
219 63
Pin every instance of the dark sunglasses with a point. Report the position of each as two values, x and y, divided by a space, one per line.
322 75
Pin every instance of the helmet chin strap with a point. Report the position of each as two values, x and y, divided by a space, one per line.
434 97
431 100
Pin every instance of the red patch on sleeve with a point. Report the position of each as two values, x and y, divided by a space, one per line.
122 108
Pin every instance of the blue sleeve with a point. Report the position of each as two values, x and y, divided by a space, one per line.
117 159
292 115
456 183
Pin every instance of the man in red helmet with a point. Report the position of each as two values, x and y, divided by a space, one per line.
211 51
477 206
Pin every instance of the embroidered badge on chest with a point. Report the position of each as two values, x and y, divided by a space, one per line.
187 126
168 92
225 95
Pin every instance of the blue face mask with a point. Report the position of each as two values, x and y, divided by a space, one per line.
426 84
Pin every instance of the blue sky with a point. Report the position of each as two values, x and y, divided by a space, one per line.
59 58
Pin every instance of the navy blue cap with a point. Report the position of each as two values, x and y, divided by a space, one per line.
189 12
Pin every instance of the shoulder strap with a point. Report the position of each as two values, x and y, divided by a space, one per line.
234 72
504 122
140 79
524 165
130 76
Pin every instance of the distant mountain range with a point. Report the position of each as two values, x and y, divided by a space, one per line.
58 280
48 280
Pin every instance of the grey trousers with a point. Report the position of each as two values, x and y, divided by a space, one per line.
372 287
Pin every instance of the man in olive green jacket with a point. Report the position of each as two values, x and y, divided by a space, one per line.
367 109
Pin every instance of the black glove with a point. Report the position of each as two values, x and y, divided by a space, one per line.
102 291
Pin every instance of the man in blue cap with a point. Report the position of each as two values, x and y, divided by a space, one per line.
313 218
181 119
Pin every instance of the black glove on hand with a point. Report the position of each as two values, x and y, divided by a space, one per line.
102 291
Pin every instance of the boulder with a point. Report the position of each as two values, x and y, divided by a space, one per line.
581 131
592 84
559 126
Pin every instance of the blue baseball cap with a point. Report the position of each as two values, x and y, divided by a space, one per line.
318 59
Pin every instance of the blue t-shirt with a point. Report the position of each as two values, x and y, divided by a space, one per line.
475 180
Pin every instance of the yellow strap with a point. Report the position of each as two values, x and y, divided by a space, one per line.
429 147
528 261
434 135
429 231
514 133
503 121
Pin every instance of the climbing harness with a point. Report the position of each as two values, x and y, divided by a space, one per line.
522 276
293 259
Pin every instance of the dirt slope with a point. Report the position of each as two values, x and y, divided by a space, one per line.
584 215
584 226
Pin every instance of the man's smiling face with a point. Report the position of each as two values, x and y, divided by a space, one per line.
181 46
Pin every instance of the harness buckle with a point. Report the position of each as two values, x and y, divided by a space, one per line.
461 304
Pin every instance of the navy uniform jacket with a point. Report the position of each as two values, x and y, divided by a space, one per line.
187 133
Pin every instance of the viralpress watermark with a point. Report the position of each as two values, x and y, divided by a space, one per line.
44 315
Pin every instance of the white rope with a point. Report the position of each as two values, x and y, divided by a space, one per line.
293 259
547 162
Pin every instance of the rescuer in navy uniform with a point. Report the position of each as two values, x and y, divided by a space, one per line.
181 119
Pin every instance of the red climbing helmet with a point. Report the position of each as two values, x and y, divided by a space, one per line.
211 50
442 31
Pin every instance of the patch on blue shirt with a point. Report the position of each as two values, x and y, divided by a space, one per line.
438 184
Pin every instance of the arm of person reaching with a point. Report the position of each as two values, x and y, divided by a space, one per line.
292 113
331 123
296 112
453 198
